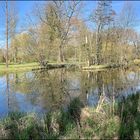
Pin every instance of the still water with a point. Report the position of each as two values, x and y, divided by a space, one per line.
41 91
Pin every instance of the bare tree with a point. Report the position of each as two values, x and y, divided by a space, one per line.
57 17
127 20
127 17
10 25
7 33
13 20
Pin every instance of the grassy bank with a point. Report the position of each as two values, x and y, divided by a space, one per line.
135 62
116 121
18 67
102 67
33 66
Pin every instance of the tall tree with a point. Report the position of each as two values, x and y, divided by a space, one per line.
127 21
57 16
10 25
102 17
7 33
13 20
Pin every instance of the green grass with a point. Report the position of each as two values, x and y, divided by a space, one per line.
18 67
136 61
30 66
100 67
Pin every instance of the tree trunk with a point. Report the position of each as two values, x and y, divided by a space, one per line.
6 33
16 52
98 51
61 54
98 45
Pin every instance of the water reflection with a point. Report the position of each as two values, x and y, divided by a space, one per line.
42 91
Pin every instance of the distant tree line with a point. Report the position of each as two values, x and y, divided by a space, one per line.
57 32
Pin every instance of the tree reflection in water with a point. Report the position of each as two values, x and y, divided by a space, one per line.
54 88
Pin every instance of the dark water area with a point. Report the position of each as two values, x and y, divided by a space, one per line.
41 91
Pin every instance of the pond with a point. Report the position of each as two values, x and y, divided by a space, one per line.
41 91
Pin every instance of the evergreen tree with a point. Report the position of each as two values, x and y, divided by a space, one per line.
102 17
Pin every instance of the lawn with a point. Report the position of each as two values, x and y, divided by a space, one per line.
30 66
18 67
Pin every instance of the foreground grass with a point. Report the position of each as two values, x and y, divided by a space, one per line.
58 125
103 122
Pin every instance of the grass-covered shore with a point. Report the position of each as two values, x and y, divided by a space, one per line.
116 121
18 67
52 65
135 62
33 66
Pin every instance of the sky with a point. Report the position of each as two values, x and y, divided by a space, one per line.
25 7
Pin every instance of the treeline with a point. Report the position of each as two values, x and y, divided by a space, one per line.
58 32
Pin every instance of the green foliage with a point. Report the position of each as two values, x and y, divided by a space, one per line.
65 122
74 109
20 126
129 114
110 128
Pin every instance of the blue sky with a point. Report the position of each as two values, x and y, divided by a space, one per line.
25 7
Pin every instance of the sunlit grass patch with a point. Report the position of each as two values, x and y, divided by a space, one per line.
18 67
